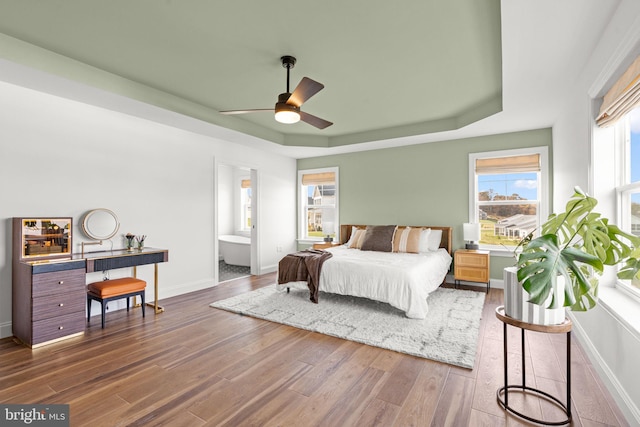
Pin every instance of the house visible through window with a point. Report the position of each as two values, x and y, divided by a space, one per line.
508 194
318 203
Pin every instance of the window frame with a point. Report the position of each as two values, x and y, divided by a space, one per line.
302 206
623 189
543 188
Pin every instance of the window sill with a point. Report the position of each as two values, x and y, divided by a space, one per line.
622 307
499 251
309 241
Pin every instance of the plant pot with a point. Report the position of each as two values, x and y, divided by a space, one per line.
517 305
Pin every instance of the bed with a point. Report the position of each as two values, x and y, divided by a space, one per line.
401 279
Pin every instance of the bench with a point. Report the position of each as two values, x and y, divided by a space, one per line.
114 289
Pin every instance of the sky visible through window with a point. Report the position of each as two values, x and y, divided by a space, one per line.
524 185
634 124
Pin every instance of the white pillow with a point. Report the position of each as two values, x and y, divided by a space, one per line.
433 240
352 236
424 240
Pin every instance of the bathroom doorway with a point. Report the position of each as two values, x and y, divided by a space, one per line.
236 188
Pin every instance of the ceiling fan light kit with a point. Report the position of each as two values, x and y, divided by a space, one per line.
286 113
287 109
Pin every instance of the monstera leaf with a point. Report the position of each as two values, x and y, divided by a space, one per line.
575 244
544 260
631 266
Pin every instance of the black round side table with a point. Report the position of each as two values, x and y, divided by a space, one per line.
564 327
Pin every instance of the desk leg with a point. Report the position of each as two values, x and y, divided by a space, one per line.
155 305
135 276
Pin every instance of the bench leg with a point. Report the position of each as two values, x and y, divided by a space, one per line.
142 299
88 310
104 312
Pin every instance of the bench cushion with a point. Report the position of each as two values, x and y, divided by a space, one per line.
113 287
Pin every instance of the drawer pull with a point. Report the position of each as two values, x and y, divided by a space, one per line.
61 282
61 304
60 327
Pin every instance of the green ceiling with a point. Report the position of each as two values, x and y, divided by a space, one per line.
390 69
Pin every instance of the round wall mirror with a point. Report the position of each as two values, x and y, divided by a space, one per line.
100 224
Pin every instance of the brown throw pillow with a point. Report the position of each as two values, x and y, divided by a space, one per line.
379 238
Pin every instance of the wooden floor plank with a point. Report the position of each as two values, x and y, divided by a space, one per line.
195 365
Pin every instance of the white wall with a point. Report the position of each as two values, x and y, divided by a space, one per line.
613 344
62 158
225 200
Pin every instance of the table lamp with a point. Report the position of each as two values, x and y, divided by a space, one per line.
471 233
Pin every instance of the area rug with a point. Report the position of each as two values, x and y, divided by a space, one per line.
448 334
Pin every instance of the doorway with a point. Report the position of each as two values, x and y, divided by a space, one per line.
236 191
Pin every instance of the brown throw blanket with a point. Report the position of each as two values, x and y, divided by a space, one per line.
303 266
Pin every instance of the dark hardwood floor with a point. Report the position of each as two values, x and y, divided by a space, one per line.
195 365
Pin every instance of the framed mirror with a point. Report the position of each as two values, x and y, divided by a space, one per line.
100 224
43 237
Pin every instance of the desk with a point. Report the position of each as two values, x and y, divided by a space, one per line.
49 296
122 258
561 328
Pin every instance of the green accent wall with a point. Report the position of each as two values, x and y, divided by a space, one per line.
419 184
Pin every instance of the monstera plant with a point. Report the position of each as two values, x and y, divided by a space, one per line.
576 244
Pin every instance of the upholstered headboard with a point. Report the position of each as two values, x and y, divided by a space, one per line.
446 242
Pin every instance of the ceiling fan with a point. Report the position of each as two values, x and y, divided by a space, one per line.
287 109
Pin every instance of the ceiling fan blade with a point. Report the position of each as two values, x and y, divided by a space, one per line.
314 121
305 90
232 112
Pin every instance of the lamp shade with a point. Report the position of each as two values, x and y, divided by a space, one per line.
471 231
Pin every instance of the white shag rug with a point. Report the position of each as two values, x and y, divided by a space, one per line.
448 334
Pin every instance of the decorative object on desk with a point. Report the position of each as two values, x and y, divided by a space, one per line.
471 233
328 239
140 240
575 245
448 334
130 238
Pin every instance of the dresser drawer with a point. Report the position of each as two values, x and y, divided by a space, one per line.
59 304
472 274
58 327
58 282
471 260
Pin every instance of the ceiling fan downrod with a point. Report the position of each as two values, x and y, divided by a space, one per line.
288 62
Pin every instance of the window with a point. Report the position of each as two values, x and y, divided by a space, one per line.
318 199
627 143
508 195
245 205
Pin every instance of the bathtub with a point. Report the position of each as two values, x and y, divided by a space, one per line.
235 250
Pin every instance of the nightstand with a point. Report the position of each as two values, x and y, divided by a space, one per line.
471 266
325 245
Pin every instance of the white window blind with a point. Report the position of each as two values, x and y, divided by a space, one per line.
623 96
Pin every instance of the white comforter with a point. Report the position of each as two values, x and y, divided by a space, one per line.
400 279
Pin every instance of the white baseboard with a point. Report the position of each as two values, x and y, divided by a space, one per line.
622 399
269 269
6 330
